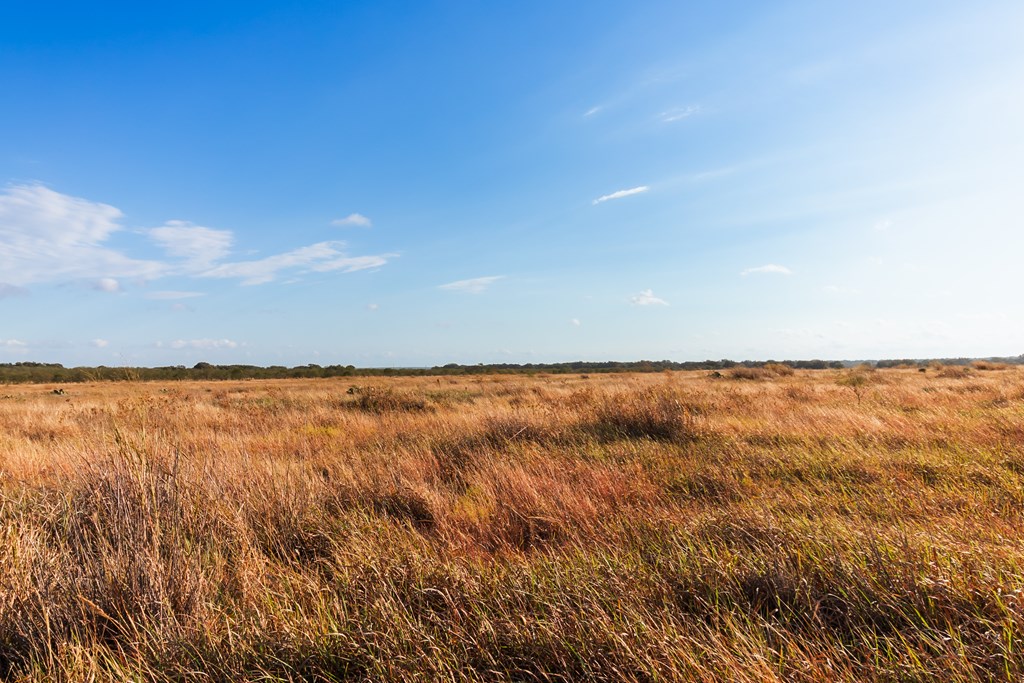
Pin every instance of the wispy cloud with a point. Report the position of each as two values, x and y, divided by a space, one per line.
473 286
202 344
49 237
372 307
575 322
593 110
197 246
678 113
712 173
647 298
100 343
357 220
320 258
12 344
622 193
46 236
768 269
171 294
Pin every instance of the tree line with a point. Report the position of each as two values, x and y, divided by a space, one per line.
30 372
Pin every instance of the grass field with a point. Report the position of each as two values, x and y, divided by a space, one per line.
808 526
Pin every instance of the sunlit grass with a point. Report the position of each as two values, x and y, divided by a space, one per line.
648 527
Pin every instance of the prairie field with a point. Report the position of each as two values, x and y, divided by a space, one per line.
764 525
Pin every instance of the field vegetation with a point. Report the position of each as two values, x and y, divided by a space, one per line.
824 525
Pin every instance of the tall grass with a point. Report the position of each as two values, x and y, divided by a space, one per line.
634 528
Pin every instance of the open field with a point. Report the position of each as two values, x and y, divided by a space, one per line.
811 526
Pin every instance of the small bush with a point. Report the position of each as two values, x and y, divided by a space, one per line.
855 380
989 365
778 369
748 373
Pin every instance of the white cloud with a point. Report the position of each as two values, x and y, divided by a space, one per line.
768 269
593 110
170 294
678 113
372 307
197 246
107 284
647 298
350 264
12 344
473 286
100 343
621 193
839 289
353 219
575 322
321 257
46 236
883 225
203 344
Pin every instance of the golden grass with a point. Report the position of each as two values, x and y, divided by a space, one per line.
629 527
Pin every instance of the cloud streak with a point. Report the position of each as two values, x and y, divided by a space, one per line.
473 286
621 193
201 344
319 258
171 294
678 114
768 269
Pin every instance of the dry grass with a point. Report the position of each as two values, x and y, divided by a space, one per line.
638 528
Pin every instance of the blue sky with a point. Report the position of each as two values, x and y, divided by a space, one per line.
384 183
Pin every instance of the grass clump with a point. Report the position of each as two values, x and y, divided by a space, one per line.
660 414
387 400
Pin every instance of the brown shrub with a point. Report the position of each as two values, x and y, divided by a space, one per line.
989 365
779 369
748 373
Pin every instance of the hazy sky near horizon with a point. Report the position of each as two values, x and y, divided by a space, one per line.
398 183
